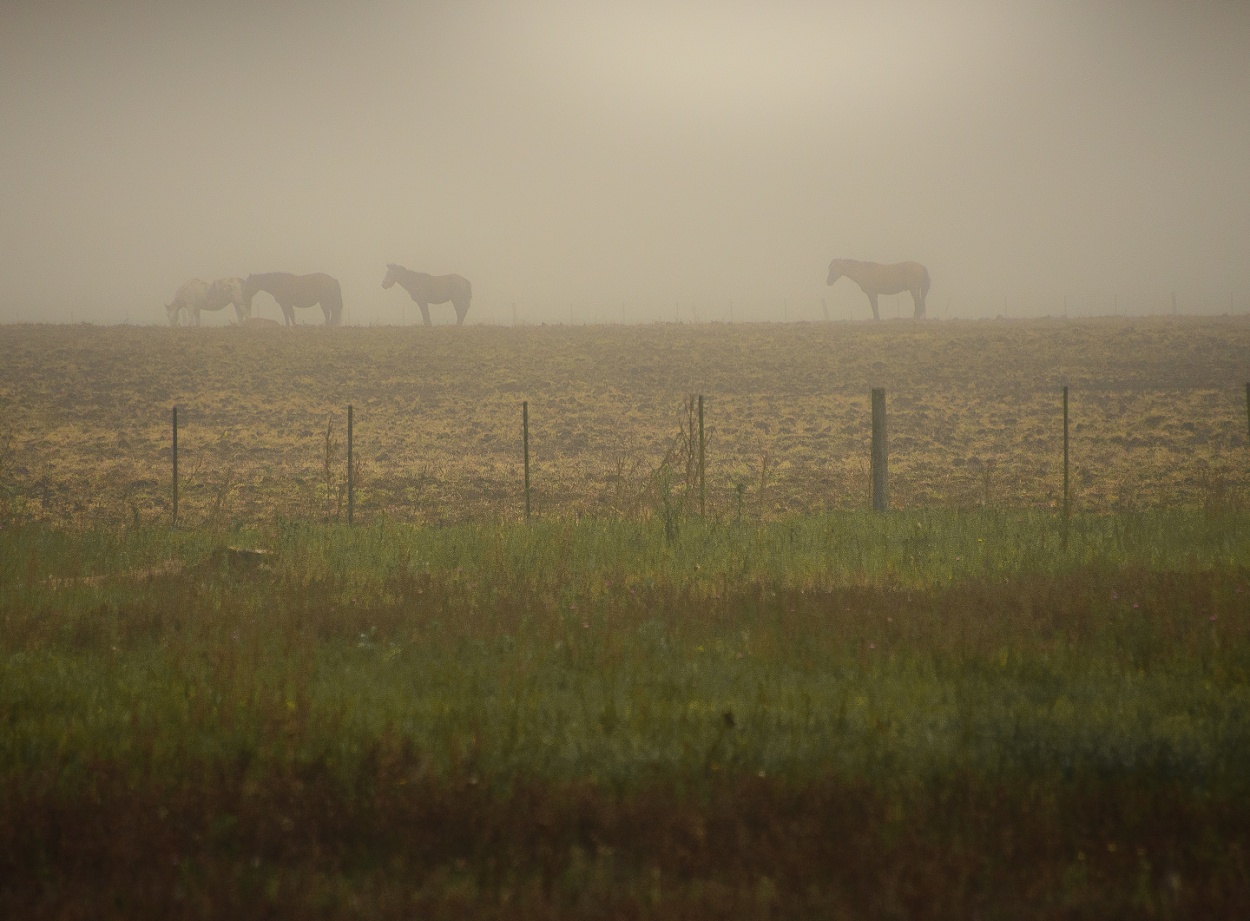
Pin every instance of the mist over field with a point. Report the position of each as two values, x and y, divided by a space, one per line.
594 162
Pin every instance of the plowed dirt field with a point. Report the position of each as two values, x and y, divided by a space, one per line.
1158 417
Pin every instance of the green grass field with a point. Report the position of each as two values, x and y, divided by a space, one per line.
926 714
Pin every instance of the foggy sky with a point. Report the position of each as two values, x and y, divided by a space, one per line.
608 161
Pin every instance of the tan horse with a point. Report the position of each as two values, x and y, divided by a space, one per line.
874 278
432 289
196 296
291 291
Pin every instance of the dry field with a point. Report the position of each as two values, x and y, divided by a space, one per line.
1157 407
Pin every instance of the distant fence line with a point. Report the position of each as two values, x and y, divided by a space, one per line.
696 453
838 307
850 306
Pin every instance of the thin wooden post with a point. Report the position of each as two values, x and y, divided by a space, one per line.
174 521
525 440
351 471
1248 409
702 467
880 453
1067 508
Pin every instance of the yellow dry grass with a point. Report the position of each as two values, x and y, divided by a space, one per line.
1157 408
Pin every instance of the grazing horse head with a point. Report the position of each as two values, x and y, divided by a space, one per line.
392 274
837 268
191 298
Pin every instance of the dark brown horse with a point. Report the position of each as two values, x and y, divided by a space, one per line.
431 289
874 278
291 291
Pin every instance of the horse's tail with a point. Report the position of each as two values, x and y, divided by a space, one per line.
336 301
924 281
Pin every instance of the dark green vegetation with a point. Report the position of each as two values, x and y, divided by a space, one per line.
945 714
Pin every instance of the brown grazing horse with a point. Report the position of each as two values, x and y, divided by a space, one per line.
291 291
874 278
432 289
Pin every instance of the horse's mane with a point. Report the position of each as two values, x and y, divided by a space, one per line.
403 270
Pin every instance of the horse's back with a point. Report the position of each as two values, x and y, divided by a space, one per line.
900 276
286 284
460 287
321 281
326 288
191 293
233 286
438 289
226 291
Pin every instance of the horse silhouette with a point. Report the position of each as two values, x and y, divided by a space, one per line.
874 278
195 296
431 289
291 291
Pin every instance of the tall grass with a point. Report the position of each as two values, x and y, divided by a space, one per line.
604 648
1006 655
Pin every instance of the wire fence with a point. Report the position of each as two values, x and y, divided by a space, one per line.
354 468
440 421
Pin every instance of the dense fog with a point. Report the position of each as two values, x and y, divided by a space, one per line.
609 162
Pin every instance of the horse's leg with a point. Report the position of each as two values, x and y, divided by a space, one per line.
461 309
872 299
425 312
195 315
288 313
917 295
